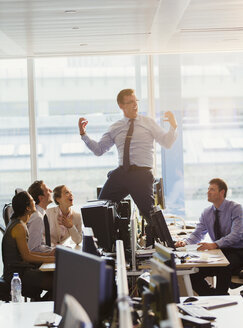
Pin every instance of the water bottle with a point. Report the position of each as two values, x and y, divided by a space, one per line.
16 288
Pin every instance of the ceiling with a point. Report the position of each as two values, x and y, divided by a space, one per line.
76 27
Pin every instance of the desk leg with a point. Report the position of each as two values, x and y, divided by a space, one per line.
184 281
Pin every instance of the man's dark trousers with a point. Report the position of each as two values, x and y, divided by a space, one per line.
223 274
137 181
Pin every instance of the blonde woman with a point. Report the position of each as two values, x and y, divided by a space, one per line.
64 222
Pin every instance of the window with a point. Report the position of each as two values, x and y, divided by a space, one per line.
14 128
69 88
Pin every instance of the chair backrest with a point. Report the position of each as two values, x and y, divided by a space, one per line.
8 209
73 314
18 190
7 212
2 228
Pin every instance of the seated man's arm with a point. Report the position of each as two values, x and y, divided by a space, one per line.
235 236
199 233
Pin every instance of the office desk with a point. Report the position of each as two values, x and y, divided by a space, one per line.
204 254
228 316
22 315
185 269
52 266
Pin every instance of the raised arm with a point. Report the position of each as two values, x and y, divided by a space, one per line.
169 117
98 148
82 125
163 137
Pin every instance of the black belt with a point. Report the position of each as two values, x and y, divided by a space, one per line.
137 168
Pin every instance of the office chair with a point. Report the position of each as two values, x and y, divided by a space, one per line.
2 228
8 210
5 286
237 281
7 213
5 292
73 314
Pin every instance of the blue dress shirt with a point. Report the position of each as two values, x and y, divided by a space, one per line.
231 225
146 130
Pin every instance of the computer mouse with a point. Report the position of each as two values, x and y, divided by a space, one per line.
190 299
181 233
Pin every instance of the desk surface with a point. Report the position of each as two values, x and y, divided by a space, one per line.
204 254
228 316
52 266
22 315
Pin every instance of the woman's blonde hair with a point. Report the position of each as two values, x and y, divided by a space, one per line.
57 193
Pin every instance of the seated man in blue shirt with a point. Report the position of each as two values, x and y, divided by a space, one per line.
134 137
223 221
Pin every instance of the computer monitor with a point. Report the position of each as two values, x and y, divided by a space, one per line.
159 198
166 256
161 232
100 215
87 278
163 285
73 314
160 293
89 244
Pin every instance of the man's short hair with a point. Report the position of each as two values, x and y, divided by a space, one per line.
221 185
35 190
122 93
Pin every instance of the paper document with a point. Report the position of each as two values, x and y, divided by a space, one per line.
204 259
145 252
215 303
188 248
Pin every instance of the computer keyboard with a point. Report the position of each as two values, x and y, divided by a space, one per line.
45 319
196 311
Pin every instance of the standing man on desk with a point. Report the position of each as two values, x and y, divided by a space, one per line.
223 221
134 137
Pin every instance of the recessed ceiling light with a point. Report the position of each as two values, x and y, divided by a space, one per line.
83 44
70 11
225 40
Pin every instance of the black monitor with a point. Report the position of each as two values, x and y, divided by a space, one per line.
166 256
89 244
87 278
100 215
161 292
159 197
161 232
160 288
73 314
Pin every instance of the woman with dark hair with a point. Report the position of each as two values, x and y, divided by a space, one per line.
64 222
15 252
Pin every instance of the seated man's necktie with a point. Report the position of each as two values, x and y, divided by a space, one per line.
126 159
217 230
47 231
